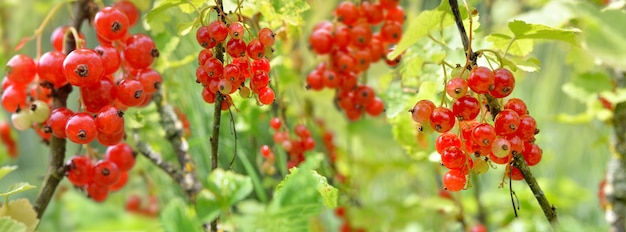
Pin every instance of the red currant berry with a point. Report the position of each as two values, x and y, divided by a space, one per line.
347 13
81 128
266 96
236 30
120 183
83 67
532 154
95 96
456 87
236 48
122 155
140 51
111 24
110 58
453 158
484 134
50 68
267 37
21 69
445 140
130 92
480 80
58 120
454 180
375 108
130 10
321 41
501 148
506 122
218 31
527 127
79 170
442 119
105 173
110 120
503 83
255 49
516 105
97 192
275 123
466 108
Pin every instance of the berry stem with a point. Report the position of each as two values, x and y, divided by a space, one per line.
548 209
217 111
56 169
494 108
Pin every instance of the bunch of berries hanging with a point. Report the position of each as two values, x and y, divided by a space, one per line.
294 146
352 45
111 77
479 141
246 62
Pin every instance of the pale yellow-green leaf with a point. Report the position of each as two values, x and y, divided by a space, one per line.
21 210
4 170
515 47
16 188
9 225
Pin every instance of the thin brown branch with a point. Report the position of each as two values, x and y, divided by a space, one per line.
84 10
217 110
174 133
494 108
171 170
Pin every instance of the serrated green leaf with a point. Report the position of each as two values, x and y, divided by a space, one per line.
531 64
6 170
21 210
16 188
422 25
516 48
10 225
177 217
523 30
593 81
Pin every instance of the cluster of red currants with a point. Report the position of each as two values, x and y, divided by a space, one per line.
111 77
100 177
7 139
512 132
295 147
247 61
134 205
353 46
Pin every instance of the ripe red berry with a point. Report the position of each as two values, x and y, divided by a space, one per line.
14 98
79 170
122 155
120 183
105 173
442 119
516 174
456 87
130 10
275 123
373 12
391 32
422 110
265 151
360 35
527 127
81 128
236 48
50 68
501 148
506 122
321 41
480 80
214 68
267 37
218 31
83 67
364 95
259 80
260 65
150 80
110 139
56 39
375 107
236 30
484 134
532 154
314 81
133 203
503 83
204 38
110 120
95 96
453 158
347 13
255 49
111 59
97 192
21 69
266 96
395 14
466 108
58 120
445 140
516 105
130 92
140 51
111 24
454 180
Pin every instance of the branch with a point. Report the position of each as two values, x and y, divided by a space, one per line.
615 188
167 167
494 108
173 132
84 9
217 110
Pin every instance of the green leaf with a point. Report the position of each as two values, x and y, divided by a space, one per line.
523 30
531 64
177 217
157 18
189 7
224 189
6 170
422 25
593 81
516 48
604 32
21 210
184 28
16 188
207 205
10 225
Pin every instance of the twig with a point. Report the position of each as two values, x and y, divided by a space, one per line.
615 188
171 170
217 111
173 132
494 108
56 169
